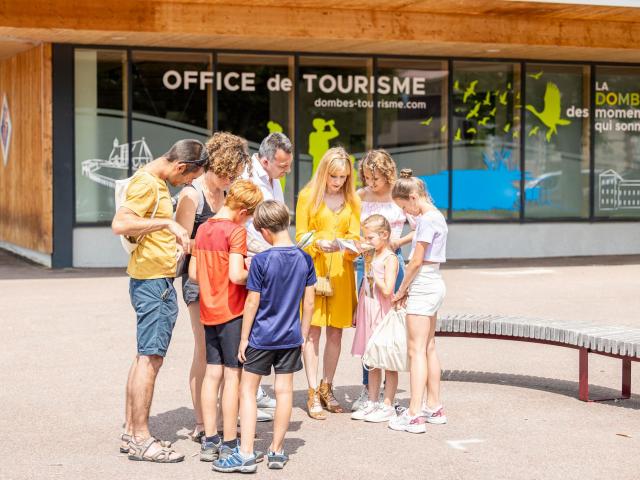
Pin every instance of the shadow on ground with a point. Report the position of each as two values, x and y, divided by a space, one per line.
544 384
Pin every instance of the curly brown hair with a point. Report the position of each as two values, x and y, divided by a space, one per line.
228 154
378 161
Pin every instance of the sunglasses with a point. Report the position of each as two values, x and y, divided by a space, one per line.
200 162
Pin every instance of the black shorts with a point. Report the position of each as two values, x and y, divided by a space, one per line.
222 342
287 360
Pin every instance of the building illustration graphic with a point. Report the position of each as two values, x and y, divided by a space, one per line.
616 193
106 172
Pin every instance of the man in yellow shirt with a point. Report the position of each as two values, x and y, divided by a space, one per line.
152 267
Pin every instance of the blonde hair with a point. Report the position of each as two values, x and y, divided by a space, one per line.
408 184
378 161
228 154
271 215
377 223
243 195
333 159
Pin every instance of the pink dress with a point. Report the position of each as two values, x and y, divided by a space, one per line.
371 310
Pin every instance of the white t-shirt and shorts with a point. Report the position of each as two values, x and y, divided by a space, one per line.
427 290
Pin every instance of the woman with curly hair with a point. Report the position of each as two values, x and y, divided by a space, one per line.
378 172
228 157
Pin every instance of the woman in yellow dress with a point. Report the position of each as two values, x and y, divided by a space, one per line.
329 206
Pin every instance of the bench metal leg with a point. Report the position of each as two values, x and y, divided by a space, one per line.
626 378
583 374
583 383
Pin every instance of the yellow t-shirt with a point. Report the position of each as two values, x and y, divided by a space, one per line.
155 256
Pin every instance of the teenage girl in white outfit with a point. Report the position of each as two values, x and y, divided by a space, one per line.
422 292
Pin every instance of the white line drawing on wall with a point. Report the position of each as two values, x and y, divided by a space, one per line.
118 159
616 193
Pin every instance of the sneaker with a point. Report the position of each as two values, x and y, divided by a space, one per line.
381 414
235 462
261 416
366 408
225 451
277 461
209 451
361 400
437 416
263 400
403 422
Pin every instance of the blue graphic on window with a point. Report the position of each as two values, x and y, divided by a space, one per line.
495 188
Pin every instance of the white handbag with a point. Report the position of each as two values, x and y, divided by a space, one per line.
387 347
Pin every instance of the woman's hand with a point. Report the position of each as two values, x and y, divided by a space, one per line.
399 299
394 244
327 246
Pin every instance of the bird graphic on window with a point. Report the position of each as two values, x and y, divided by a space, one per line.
551 115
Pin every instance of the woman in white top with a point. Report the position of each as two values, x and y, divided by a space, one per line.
378 172
422 292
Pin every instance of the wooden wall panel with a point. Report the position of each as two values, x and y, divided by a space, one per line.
26 181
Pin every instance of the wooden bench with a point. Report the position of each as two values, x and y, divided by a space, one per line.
610 341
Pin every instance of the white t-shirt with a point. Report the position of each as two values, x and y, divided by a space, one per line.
431 227
271 190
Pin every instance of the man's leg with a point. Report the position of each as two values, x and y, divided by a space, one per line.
128 428
284 402
142 385
248 387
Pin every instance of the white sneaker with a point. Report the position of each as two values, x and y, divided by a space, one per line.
366 409
263 400
436 416
361 400
381 414
263 416
405 423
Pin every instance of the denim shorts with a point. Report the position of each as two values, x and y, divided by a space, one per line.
156 306
190 290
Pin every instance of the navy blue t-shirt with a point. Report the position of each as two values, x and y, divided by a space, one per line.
280 275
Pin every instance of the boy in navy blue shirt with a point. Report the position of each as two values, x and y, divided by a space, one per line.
272 333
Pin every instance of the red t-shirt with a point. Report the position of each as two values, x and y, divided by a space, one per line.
220 299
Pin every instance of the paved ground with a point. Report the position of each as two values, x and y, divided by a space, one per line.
68 338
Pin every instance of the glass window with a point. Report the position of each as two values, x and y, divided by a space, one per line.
557 141
335 109
172 100
412 120
617 142
101 154
486 140
268 97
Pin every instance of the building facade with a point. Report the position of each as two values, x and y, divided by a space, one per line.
530 150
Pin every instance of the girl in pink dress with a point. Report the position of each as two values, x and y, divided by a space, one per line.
374 302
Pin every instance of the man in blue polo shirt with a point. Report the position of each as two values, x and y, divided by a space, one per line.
272 334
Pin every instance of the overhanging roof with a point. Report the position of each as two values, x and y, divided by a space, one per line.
470 28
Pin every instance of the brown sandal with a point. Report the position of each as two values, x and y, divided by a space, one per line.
138 452
314 407
328 399
126 438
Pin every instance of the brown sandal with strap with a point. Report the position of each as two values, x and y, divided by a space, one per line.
328 399
314 407
126 438
138 452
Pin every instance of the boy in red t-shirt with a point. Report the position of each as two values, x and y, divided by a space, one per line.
218 267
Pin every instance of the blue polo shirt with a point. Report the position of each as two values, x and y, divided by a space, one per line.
280 275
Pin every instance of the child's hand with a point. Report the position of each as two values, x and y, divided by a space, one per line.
242 349
399 299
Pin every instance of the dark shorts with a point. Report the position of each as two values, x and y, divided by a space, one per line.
287 360
156 305
222 342
190 291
